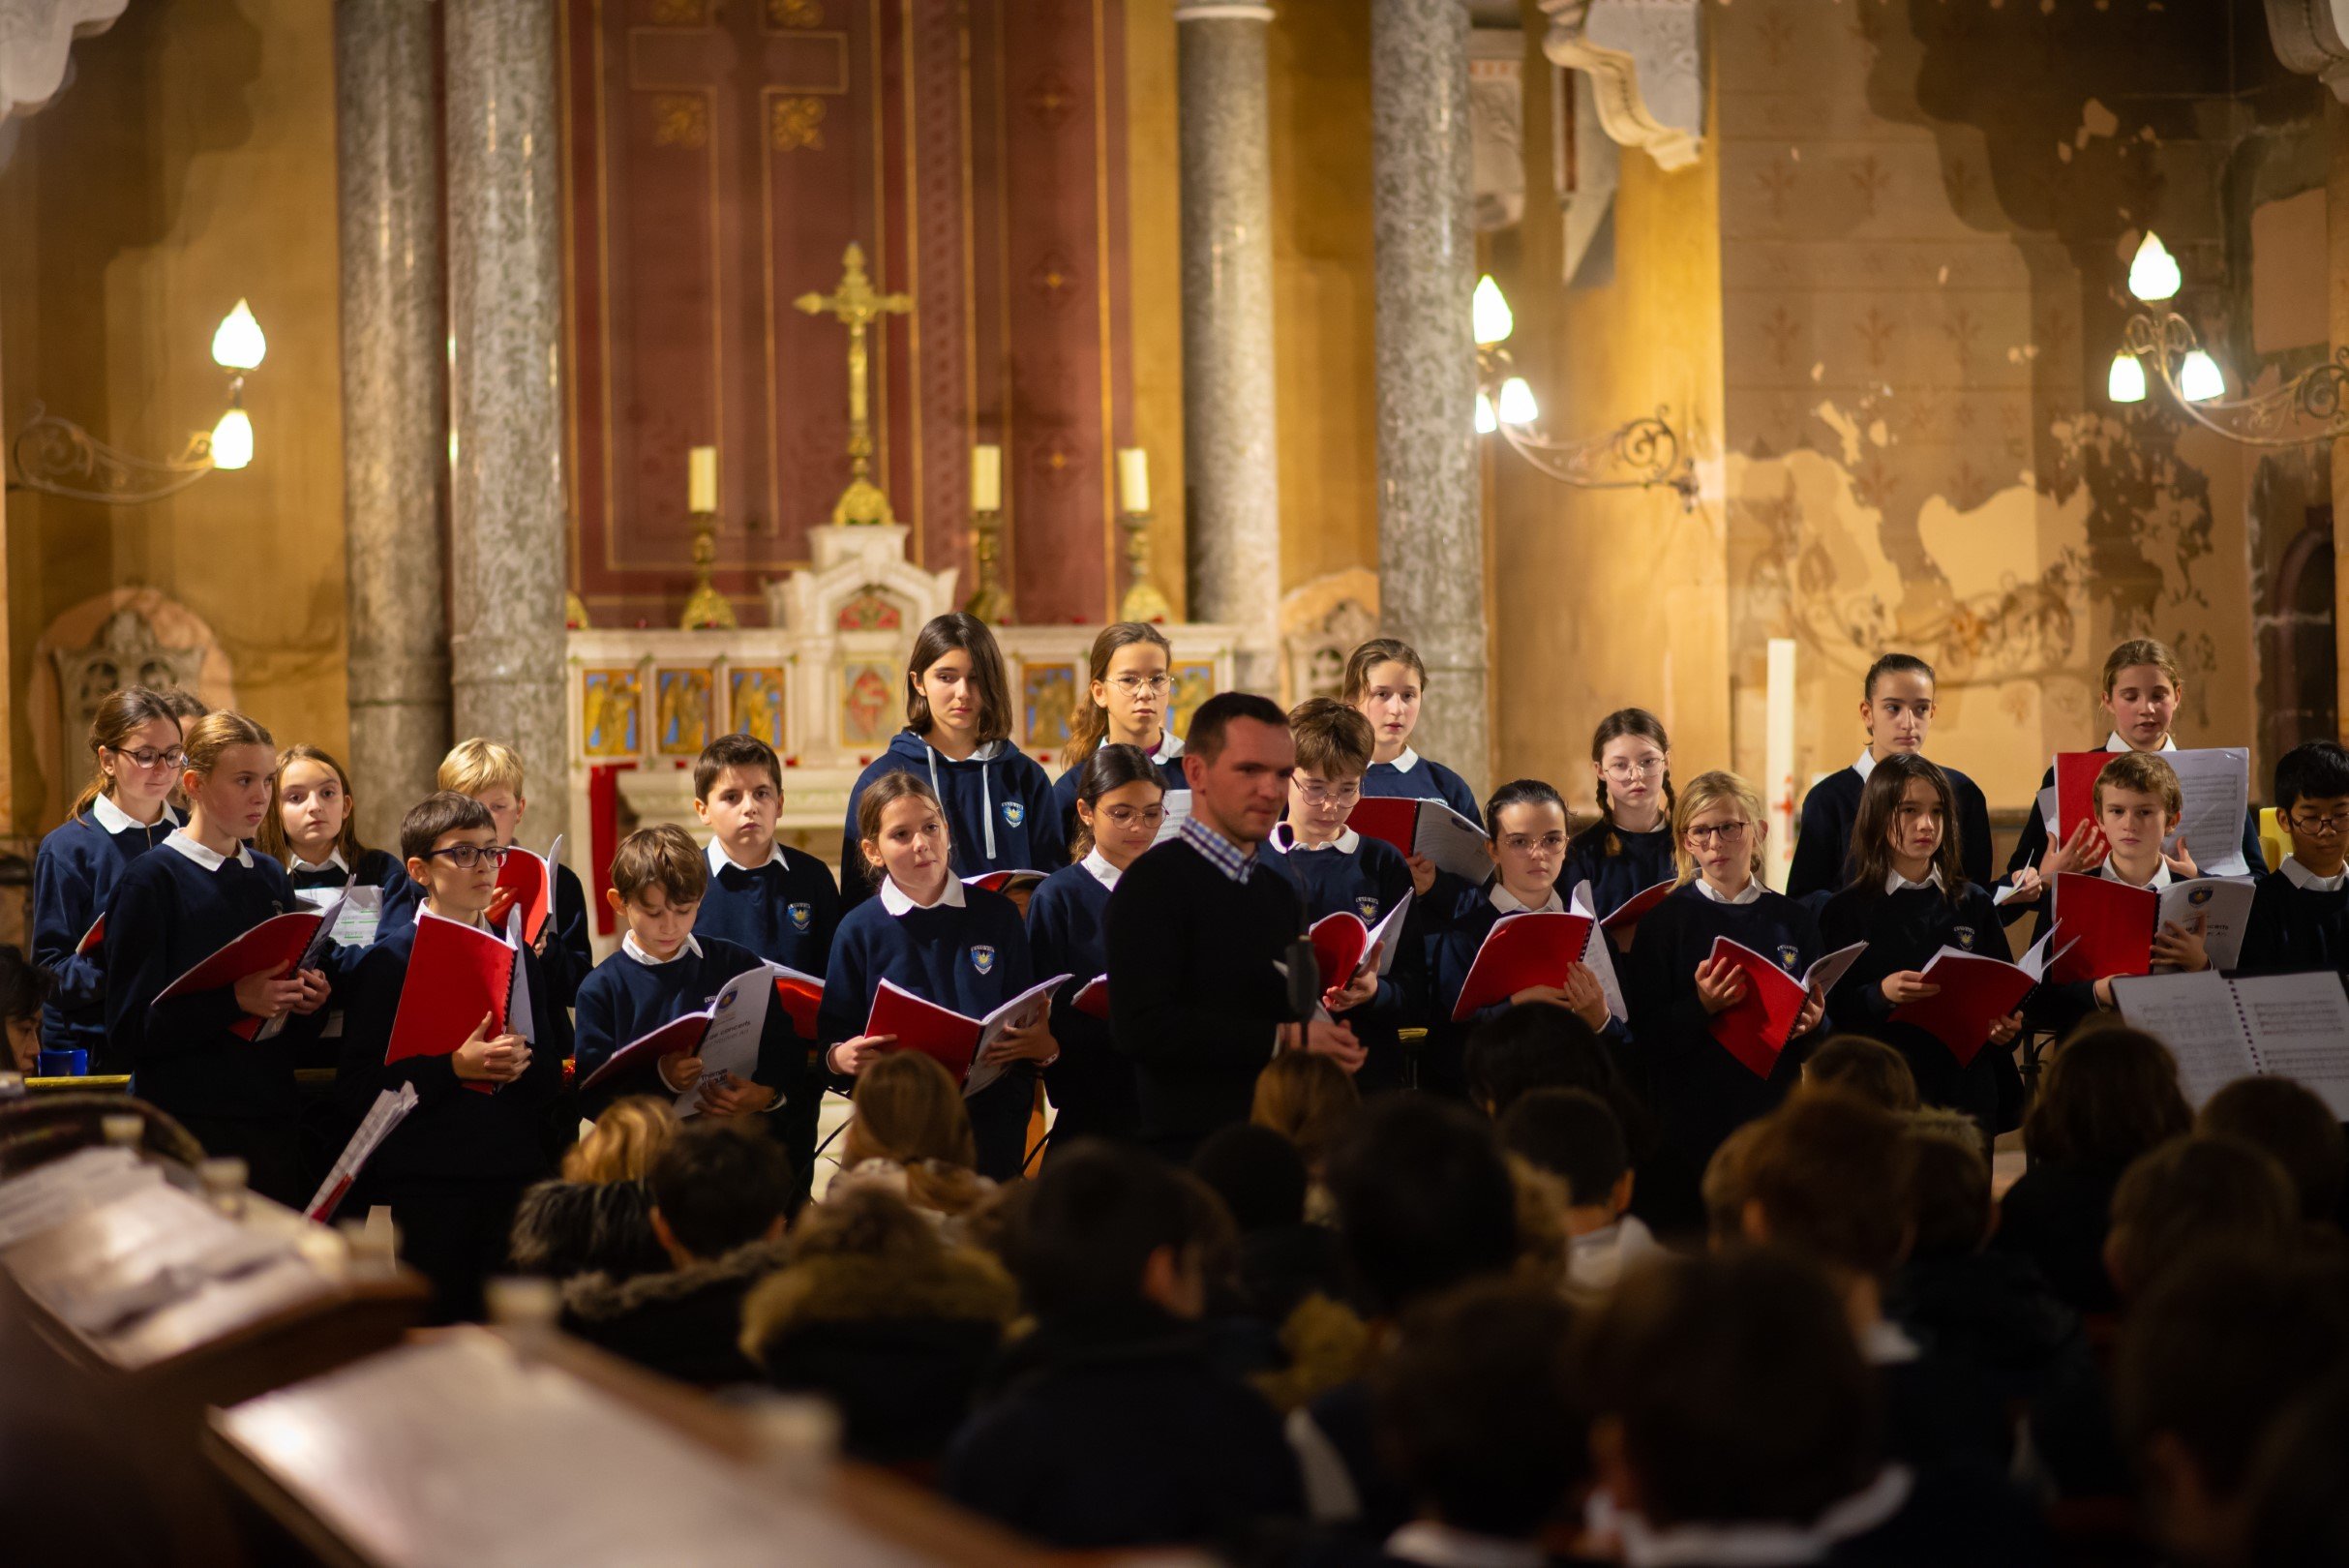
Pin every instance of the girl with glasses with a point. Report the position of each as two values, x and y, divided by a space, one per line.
1630 850
1674 988
124 811
1119 801
1130 701
2300 917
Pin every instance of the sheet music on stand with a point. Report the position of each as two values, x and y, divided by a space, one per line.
2285 1026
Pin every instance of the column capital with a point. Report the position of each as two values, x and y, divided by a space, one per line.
1222 11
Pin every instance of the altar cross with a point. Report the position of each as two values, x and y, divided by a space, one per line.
857 306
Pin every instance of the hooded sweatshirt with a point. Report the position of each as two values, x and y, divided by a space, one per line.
998 808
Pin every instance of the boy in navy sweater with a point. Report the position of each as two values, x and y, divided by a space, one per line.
454 1170
2300 917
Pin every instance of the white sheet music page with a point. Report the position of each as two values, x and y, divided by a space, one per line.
2196 1016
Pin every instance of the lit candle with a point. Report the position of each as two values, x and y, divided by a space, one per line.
1133 480
986 478
701 479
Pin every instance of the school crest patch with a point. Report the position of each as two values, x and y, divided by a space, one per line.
1788 955
1964 935
983 959
1014 813
801 915
1368 908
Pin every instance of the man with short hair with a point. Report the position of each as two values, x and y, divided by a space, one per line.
1195 928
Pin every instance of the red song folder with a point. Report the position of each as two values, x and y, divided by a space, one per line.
953 1039
2076 796
1631 909
1425 827
456 974
1342 943
2109 924
1005 882
531 879
1531 947
1093 998
92 939
280 939
801 997
1756 1029
1977 992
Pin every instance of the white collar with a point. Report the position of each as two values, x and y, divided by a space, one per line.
1103 871
1404 761
1440 1545
896 901
425 912
334 861
2161 876
1884 1344
115 819
2307 881
1508 903
983 753
643 956
1866 763
1894 882
204 857
1347 842
1768 1545
1170 744
719 859
2114 742
1751 895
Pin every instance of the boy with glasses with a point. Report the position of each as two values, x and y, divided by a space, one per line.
2300 917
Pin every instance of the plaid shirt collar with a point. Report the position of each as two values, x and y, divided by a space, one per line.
1219 851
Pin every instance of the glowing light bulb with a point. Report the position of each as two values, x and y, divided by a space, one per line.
2153 273
2198 378
1490 312
233 440
1486 424
238 345
1518 407
2126 383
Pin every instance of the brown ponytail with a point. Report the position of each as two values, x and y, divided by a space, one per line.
1088 721
120 715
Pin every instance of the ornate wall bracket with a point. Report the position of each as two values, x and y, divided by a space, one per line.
1646 70
2311 406
2312 38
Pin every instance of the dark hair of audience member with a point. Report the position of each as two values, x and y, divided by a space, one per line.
2106 1096
1094 1220
2191 1194
1425 1200
1732 1390
1539 1046
1480 1409
1949 1201
1723 1187
717 1186
2294 1507
2297 1131
1572 1134
1867 1068
1259 1175
1828 1173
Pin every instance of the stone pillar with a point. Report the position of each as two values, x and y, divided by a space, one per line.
507 537
1431 525
1228 449
395 404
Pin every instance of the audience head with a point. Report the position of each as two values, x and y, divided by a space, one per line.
1723 1187
1729 1389
24 986
491 772
1867 1068
2191 1194
659 877
1259 1174
2142 687
901 832
2295 1511
1573 1135
1108 1227
1950 1209
1828 1176
621 1145
1385 680
1121 801
1480 1411
718 1185
1718 830
1630 765
2297 1131
1237 760
1425 1200
128 725
315 816
1129 692
954 682
1535 1048
1307 1099
1908 813
2106 1096
908 1108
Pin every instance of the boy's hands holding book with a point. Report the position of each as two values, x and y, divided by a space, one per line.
486 1058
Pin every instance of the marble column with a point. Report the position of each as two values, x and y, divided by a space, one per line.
1228 449
395 404
506 526
1430 522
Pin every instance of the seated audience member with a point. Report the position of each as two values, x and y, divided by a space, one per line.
1736 1423
2107 1096
721 1192
1870 1069
909 1133
1723 1190
1571 1135
2297 1131
2210 1358
879 1314
2295 1509
597 1216
1827 1177
2191 1193
1545 1048
23 989
1283 1258
1110 1423
1307 1099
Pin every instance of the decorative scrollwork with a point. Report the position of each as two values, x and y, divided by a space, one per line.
57 456
2307 408
1642 454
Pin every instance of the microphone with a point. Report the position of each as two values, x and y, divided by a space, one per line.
1303 980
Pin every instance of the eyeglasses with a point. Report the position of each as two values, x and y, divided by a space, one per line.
1128 816
150 759
1727 832
1625 772
1319 793
2319 826
1133 685
465 857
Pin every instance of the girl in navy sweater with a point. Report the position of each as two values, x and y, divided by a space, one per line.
959 947
175 908
313 832
121 813
1385 680
1119 801
957 737
1128 704
1910 900
1674 986
1631 849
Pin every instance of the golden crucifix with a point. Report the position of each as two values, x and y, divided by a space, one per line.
854 306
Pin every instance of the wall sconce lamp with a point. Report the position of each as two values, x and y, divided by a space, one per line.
2307 407
57 456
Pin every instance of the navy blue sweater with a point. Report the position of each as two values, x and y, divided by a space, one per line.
626 1000
1428 780
454 1131
569 954
1365 885
73 877
167 916
1822 846
2293 928
999 813
1638 862
1063 793
1092 1084
376 868
785 911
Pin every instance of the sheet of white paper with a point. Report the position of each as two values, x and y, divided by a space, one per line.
731 1047
390 1108
2299 1030
1034 1001
2004 892
2216 783
519 1017
1599 954
2047 811
2196 1016
2225 904
1177 806
1828 968
1451 841
1387 935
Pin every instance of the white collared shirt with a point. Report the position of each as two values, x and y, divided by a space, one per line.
900 903
1404 760
1440 1545
644 956
205 857
1770 1545
2114 742
1866 763
115 819
1894 882
2161 876
719 859
426 912
334 861
1347 842
1751 895
2307 881
1103 871
1508 903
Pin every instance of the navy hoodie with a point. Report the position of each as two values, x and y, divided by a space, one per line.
999 809
1092 1084
626 999
73 877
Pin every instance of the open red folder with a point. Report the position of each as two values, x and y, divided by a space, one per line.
1531 947
2109 924
1342 943
2076 796
282 938
1754 1030
92 939
531 879
801 997
1631 909
1977 992
1005 882
953 1039
1427 827
725 1034
1092 999
456 974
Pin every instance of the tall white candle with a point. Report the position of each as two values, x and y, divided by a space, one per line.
1133 480
701 479
986 478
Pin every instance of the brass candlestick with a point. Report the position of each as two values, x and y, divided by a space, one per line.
1142 601
988 601
706 608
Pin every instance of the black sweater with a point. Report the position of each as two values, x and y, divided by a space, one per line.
1193 996
2293 928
